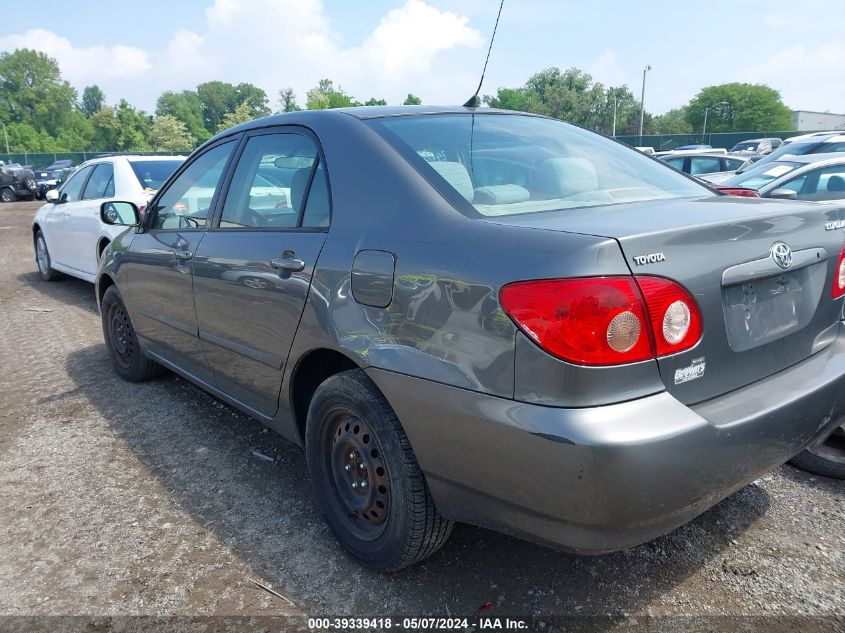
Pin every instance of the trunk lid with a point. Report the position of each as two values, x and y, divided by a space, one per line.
759 318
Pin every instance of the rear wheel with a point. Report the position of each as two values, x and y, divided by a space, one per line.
127 357
366 478
7 195
42 258
827 458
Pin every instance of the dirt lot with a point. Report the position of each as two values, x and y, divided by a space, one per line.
119 499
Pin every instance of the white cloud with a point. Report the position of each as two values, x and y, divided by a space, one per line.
81 66
275 44
805 76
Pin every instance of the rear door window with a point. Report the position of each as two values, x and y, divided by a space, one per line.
72 190
704 165
101 183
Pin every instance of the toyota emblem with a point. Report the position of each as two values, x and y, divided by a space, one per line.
782 254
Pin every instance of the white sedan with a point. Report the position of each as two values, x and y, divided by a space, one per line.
68 234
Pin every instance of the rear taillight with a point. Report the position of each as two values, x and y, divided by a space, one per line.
739 191
604 320
838 289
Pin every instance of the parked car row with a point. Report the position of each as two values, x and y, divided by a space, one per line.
475 315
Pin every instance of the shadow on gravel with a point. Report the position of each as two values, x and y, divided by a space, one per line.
811 480
66 289
203 453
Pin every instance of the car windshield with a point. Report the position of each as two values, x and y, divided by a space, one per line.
744 147
151 174
506 164
762 174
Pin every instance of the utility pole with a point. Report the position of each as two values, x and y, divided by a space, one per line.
642 103
706 110
615 99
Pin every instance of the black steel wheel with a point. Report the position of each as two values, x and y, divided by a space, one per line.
127 356
825 458
366 478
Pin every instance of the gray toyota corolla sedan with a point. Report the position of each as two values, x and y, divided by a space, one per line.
485 316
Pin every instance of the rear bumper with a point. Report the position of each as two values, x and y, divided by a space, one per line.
599 479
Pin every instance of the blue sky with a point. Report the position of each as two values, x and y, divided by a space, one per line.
435 48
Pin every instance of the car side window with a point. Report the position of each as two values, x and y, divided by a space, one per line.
72 190
270 185
827 183
704 165
186 203
732 164
101 183
677 163
317 210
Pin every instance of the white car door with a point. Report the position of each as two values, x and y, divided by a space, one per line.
83 221
56 224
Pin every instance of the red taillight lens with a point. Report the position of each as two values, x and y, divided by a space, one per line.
591 321
739 191
838 289
604 320
674 315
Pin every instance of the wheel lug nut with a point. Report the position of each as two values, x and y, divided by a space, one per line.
351 455
361 466
347 467
354 484
363 484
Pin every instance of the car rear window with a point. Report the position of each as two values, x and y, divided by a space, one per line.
151 174
504 164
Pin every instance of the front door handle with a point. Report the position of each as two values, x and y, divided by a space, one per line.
288 262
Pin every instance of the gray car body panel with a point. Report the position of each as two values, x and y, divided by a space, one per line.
452 364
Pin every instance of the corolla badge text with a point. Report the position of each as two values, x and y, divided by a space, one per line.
834 225
650 258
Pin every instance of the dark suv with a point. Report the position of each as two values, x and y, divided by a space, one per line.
16 183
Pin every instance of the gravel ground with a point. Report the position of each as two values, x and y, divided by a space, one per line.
123 499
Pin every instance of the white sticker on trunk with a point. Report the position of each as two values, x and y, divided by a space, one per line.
693 372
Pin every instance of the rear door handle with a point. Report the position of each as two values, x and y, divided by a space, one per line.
293 264
183 254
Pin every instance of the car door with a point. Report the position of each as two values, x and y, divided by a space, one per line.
252 271
56 223
160 261
819 185
82 225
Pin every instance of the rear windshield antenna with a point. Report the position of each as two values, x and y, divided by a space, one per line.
474 101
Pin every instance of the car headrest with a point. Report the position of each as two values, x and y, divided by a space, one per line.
836 183
456 175
297 186
501 194
563 177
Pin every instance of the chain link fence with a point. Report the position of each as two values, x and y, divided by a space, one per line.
662 142
43 159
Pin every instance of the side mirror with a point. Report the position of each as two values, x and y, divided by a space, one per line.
52 196
782 194
120 214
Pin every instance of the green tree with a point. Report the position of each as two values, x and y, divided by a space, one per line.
241 114
33 91
287 100
187 108
412 99
372 101
121 129
77 134
170 134
738 107
219 98
671 122
324 96
92 100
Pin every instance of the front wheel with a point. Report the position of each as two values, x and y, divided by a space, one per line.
127 356
42 258
7 195
366 478
826 458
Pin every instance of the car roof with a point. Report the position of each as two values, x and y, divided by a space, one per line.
820 157
817 136
713 154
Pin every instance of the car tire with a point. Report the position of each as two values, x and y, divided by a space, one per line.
826 459
353 436
43 261
7 195
128 358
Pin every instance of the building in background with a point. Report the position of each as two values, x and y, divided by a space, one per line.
808 121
